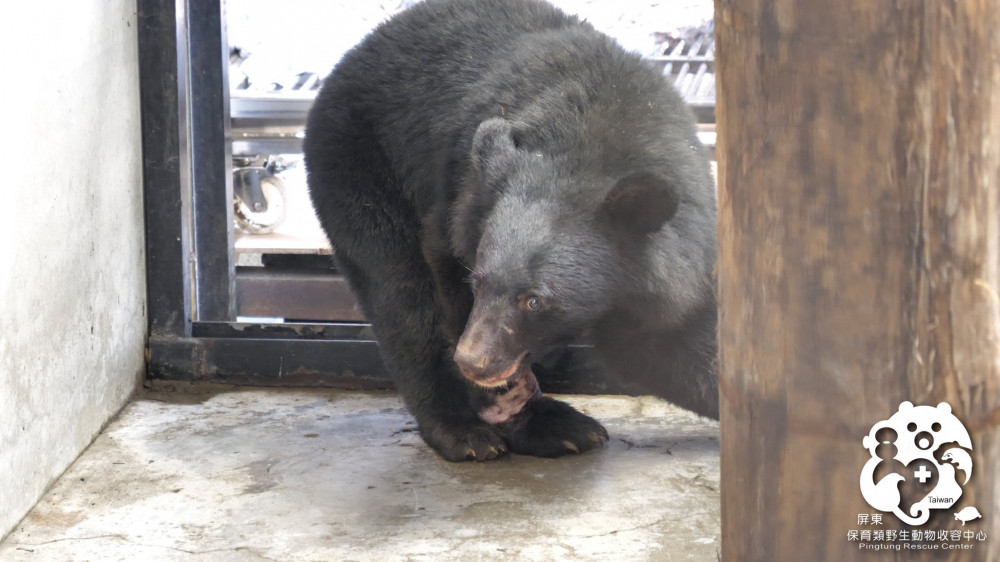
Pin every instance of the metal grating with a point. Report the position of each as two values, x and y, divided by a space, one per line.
272 121
688 62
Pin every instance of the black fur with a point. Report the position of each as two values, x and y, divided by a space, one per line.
504 145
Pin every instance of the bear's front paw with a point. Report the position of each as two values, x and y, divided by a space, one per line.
550 428
472 441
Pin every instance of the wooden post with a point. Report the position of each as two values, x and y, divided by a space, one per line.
859 258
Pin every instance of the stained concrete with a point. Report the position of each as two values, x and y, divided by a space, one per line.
318 475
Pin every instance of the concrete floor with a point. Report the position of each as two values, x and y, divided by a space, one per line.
320 475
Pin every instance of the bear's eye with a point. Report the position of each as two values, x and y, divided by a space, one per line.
533 303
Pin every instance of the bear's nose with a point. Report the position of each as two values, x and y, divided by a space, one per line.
472 362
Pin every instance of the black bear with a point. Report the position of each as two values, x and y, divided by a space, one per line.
499 179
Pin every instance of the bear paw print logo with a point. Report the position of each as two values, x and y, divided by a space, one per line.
926 449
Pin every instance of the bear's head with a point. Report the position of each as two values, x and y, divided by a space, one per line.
552 242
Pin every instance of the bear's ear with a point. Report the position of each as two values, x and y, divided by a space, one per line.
492 148
641 203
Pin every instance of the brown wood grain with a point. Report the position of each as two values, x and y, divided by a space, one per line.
859 257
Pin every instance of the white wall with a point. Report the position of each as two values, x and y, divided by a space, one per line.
72 285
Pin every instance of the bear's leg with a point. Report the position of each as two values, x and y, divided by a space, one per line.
452 292
376 238
398 299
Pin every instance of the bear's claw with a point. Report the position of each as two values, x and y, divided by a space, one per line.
550 428
471 441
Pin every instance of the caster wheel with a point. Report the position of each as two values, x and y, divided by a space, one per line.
264 221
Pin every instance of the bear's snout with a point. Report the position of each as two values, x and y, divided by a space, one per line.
470 360
477 365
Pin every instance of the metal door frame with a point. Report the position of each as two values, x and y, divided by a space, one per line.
183 55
